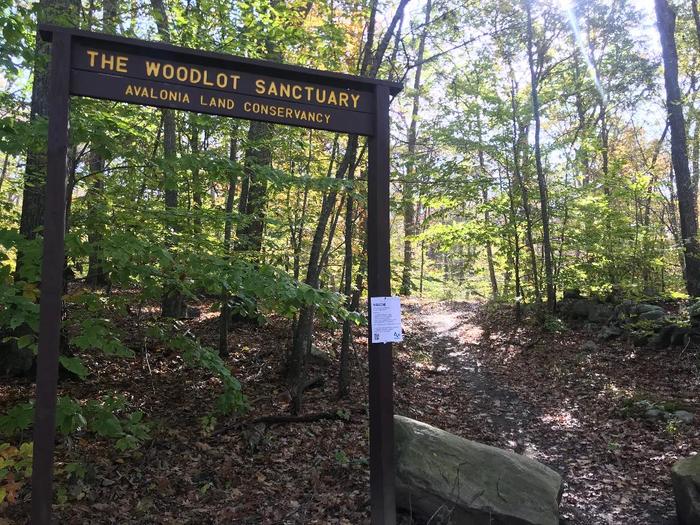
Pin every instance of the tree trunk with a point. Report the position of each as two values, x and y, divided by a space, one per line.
541 180
96 275
225 315
173 302
346 339
32 214
301 345
409 215
258 156
487 219
687 201
517 175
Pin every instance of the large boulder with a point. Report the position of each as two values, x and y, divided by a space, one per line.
459 481
685 475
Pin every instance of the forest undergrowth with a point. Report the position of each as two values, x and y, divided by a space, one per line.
468 368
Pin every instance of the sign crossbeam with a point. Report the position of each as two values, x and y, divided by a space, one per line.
162 75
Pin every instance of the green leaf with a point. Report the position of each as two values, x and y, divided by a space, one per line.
74 365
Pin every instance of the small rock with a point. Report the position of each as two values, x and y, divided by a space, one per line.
694 310
609 332
588 346
640 339
653 315
680 336
684 416
654 414
662 339
319 356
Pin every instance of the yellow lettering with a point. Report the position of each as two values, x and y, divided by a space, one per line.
332 98
221 80
246 106
186 98
92 55
129 90
285 90
181 73
289 112
355 99
309 90
343 99
121 64
205 80
195 75
168 71
260 87
272 90
152 68
107 62
235 78
328 117
296 92
319 99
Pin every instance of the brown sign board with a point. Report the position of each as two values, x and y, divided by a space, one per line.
166 76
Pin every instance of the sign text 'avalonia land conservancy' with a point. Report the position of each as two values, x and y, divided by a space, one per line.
116 72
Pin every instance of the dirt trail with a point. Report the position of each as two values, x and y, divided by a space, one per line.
484 382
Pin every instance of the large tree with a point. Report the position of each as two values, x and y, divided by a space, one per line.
687 199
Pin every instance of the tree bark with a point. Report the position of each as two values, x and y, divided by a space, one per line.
541 179
173 302
687 200
225 315
524 196
32 214
409 210
96 275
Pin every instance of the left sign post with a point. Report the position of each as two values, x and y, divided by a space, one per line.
51 281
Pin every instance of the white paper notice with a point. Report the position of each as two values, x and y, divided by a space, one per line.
386 319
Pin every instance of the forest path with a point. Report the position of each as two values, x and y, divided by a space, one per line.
500 383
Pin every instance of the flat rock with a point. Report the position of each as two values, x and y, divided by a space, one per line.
463 482
684 416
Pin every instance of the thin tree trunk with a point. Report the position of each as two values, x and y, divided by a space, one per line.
173 302
687 200
487 219
5 163
409 216
524 195
346 339
541 180
225 315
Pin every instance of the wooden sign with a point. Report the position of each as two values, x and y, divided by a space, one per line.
156 74
161 75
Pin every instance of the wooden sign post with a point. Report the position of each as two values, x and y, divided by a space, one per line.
161 75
